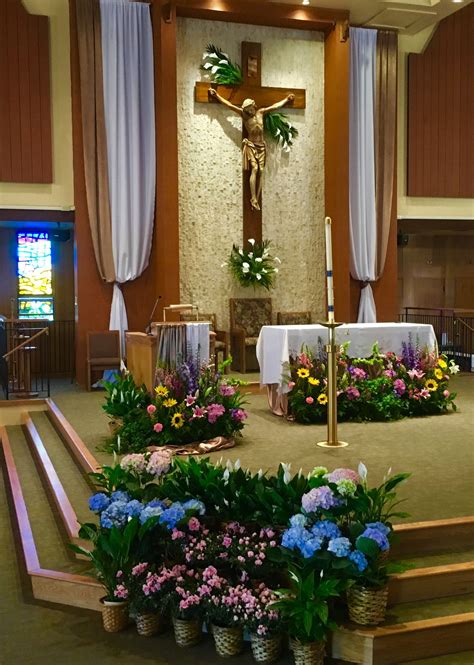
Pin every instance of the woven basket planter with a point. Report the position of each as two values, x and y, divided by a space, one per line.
265 649
308 653
149 624
114 425
187 632
228 641
114 615
367 606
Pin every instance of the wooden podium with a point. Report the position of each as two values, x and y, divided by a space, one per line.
141 353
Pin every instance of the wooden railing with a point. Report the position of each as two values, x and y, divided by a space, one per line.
454 329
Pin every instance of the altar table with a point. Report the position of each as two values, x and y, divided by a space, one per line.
276 344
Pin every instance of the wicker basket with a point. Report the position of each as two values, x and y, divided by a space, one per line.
187 632
308 653
367 606
265 649
114 615
149 624
228 641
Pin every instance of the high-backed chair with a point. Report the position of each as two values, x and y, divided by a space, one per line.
247 316
103 352
293 318
220 339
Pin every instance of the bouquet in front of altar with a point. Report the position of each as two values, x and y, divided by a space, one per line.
254 266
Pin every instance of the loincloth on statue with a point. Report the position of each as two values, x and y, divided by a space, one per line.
253 153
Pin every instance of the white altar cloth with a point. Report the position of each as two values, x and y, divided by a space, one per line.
276 343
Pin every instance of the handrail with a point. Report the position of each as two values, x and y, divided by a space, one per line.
27 341
464 323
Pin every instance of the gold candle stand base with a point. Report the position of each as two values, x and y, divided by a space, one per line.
331 349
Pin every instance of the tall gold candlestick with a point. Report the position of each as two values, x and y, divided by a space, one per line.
331 349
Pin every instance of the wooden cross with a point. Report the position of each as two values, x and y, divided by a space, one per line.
263 96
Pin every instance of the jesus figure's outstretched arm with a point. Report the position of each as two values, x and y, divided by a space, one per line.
214 93
278 105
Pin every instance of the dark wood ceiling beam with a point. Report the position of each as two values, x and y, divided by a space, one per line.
276 15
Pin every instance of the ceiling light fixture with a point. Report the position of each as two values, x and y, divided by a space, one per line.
457 1
306 2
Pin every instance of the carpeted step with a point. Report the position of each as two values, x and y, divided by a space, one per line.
441 559
72 479
50 543
430 609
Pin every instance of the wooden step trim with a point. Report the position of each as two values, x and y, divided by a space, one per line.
404 642
55 586
434 536
51 585
418 584
21 513
22 402
58 493
76 445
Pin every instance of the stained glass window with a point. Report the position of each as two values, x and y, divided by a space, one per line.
35 288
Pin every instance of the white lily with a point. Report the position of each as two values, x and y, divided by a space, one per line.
264 271
362 471
252 241
241 252
453 368
226 475
258 259
275 270
223 265
277 259
286 472
214 69
237 465
245 270
214 56
245 264
207 65
387 475
229 466
223 62
251 255
260 473
258 276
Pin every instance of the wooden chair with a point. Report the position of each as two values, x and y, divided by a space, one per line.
293 318
103 352
247 316
220 339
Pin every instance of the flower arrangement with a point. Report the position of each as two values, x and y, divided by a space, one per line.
191 403
279 129
254 266
381 387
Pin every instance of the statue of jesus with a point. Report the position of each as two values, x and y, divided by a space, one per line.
254 149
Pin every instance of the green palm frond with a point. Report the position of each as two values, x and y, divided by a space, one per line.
279 129
219 67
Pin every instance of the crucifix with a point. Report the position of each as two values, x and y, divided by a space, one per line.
251 100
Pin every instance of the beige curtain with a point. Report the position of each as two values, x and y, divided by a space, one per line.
385 139
93 134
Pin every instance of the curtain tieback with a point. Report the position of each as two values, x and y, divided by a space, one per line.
364 284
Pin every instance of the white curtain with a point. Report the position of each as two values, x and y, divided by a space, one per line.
362 210
127 55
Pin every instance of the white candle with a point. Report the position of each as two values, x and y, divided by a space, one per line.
329 276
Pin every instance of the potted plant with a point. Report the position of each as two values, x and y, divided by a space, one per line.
265 626
305 608
123 398
147 594
111 557
225 609
371 533
186 606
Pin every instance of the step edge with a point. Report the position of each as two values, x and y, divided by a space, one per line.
75 444
27 540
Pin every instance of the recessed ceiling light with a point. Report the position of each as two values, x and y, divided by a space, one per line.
306 2
457 1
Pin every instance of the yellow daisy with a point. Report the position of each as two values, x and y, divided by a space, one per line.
323 398
313 381
177 420
442 363
161 390
169 403
438 374
303 373
431 385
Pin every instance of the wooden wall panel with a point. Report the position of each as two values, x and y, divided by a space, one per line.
25 100
441 111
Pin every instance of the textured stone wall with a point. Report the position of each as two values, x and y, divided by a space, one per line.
210 191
